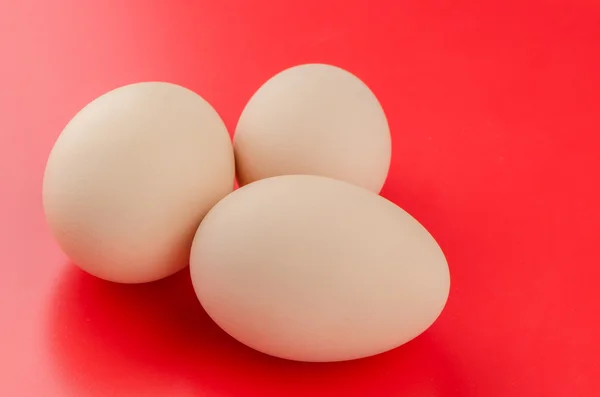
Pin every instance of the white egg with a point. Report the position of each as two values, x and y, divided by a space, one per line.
310 268
131 177
314 119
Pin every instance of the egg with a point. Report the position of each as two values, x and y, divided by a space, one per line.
309 268
130 178
314 119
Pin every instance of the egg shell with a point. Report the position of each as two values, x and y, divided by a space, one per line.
130 178
309 268
314 119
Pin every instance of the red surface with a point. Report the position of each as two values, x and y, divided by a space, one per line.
495 114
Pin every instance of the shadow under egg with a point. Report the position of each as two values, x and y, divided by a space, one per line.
118 339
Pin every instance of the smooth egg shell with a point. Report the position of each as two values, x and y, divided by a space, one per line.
314 119
131 177
314 269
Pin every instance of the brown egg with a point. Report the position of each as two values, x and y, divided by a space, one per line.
131 177
314 119
315 269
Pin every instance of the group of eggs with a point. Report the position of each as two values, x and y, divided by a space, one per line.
305 261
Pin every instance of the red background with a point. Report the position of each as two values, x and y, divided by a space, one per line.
495 113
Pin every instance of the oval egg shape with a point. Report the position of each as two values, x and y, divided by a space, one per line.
130 178
314 119
310 268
